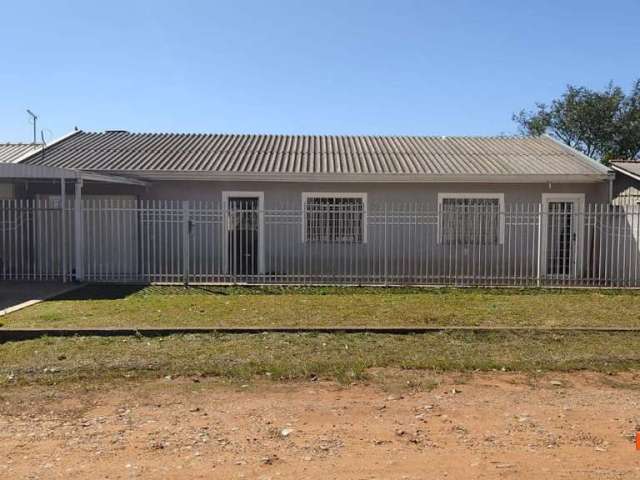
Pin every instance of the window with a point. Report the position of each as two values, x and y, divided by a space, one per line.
334 217
471 219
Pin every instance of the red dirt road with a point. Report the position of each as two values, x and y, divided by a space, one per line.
487 426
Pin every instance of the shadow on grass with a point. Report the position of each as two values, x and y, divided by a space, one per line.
101 292
115 292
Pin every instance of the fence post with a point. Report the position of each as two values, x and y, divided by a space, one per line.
78 231
185 242
386 279
63 229
539 264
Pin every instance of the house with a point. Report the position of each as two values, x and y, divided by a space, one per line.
11 152
316 209
626 187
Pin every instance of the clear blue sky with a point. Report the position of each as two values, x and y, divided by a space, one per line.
457 67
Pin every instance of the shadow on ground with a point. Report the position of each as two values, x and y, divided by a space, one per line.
116 292
101 292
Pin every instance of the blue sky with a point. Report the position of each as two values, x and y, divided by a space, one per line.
457 67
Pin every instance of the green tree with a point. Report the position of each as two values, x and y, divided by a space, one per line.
602 124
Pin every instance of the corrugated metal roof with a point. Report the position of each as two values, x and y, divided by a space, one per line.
10 152
315 155
633 167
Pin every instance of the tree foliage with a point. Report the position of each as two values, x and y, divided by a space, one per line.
602 124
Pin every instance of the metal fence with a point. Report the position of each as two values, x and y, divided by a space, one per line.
198 242
629 197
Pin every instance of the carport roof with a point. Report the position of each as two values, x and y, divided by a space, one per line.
14 171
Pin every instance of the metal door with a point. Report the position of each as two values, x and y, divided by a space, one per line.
561 238
242 235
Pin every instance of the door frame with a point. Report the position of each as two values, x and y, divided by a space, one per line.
578 200
225 226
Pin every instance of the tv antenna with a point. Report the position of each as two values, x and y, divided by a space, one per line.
34 118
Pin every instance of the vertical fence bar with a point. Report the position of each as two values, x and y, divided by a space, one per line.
185 242
607 243
635 240
79 232
15 251
3 242
539 256
386 248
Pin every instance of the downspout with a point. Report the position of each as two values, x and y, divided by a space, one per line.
612 176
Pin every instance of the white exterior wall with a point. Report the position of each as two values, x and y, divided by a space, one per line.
276 193
149 244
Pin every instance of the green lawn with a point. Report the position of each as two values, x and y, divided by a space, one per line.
342 357
117 306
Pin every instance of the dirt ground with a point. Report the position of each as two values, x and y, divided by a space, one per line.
479 426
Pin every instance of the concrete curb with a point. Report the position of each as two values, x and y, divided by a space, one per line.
16 334
35 301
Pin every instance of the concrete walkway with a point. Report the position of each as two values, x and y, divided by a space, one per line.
17 295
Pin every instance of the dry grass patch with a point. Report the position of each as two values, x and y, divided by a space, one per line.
283 357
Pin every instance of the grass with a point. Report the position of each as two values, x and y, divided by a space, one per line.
121 306
341 357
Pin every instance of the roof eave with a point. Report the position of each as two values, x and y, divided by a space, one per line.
617 168
17 171
358 178
588 160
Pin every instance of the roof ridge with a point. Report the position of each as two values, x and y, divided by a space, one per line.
316 135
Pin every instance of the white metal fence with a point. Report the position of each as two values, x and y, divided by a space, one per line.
120 240
629 197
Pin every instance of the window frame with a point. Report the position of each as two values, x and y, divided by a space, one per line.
482 196
356 195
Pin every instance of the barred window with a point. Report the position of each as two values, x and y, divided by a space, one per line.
334 219
468 220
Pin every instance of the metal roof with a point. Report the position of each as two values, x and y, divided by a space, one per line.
285 155
10 152
631 168
13 170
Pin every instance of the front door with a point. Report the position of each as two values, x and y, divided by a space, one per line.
242 235
561 235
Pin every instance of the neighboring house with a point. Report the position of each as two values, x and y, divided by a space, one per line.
626 187
9 153
312 208
12 152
